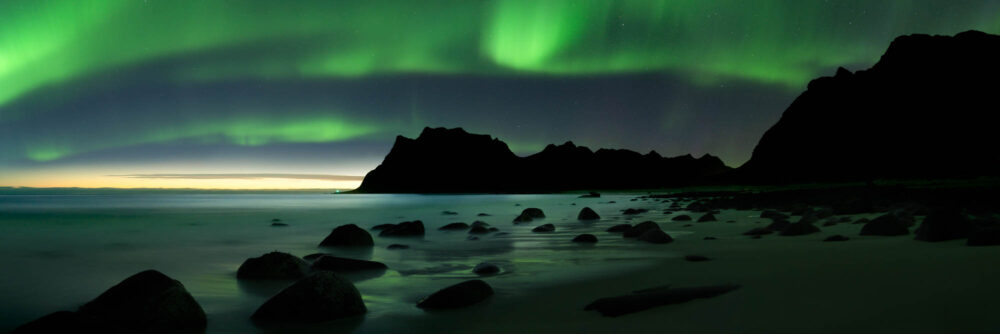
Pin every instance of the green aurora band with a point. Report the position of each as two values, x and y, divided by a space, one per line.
784 43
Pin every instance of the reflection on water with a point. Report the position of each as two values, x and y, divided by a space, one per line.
65 250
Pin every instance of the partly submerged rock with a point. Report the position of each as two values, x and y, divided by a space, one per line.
349 235
640 228
696 258
273 265
645 299
345 265
457 296
319 297
758 231
486 268
619 228
587 214
398 246
708 217
544 228
585 238
592 194
404 229
454 227
681 218
655 236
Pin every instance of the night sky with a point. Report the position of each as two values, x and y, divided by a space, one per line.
275 94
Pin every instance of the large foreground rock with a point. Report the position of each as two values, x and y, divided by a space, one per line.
147 302
319 297
799 228
640 228
656 236
349 235
649 298
273 265
457 296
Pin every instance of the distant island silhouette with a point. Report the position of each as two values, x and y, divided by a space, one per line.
454 161
924 110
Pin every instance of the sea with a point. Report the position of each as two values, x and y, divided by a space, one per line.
60 251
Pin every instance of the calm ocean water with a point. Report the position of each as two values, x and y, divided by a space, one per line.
61 251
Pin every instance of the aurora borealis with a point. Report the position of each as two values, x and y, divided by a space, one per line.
91 90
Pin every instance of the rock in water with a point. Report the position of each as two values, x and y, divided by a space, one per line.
778 225
60 322
146 302
454 227
587 214
544 228
885 225
585 238
708 217
345 265
404 229
681 218
349 235
639 229
457 296
799 228
645 299
534 213
943 225
398 246
273 265
486 268
656 236
619 228
319 297
592 194
758 231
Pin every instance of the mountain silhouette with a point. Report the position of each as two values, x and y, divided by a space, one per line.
454 161
925 110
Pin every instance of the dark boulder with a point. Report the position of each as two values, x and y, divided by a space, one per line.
640 228
655 236
522 218
861 221
479 229
381 227
799 228
681 218
529 214
709 238
314 256
449 213
322 296
648 298
631 211
398 246
454 227
984 236
457 296
587 214
273 265
345 265
708 217
349 235
886 225
943 225
544 228
619 228
486 268
837 237
483 214
64 322
146 302
404 229
278 224
592 194
585 238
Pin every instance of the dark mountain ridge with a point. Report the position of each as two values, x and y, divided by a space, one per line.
924 110
454 161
